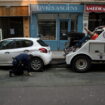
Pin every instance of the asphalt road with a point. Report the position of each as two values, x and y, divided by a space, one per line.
54 86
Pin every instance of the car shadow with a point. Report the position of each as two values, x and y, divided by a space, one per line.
97 68
6 67
94 67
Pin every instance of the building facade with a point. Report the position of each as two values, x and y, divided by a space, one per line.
14 19
50 20
95 14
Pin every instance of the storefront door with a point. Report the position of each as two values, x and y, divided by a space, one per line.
65 27
11 27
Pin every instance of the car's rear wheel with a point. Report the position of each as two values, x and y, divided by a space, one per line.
37 64
81 63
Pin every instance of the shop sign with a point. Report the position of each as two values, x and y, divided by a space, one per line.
95 8
56 8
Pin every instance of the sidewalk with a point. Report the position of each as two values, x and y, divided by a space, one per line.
58 59
58 54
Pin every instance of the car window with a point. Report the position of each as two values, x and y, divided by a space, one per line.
11 45
23 43
19 44
27 43
42 43
7 44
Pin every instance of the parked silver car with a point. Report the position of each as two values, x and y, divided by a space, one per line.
12 47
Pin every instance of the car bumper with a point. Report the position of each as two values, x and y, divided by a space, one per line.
69 58
47 58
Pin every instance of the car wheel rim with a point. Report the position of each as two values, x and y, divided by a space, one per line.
36 64
81 64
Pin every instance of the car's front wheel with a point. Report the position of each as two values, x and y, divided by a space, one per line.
37 64
81 63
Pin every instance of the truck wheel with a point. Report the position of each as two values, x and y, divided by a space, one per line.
81 63
37 64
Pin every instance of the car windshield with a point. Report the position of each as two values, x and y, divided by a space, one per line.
42 43
4 43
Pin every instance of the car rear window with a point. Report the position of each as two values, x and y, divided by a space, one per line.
42 43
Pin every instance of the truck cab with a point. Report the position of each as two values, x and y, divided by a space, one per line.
92 51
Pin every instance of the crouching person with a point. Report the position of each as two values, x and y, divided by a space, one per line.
21 63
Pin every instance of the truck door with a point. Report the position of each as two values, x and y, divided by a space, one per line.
97 50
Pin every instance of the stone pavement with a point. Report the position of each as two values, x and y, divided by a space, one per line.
58 54
58 59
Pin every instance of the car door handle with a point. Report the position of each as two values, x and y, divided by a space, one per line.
7 52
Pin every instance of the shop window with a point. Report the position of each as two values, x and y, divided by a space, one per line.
64 16
63 29
74 18
47 29
47 26
95 20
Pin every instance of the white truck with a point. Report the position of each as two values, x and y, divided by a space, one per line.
93 51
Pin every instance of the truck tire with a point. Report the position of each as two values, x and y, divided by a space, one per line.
81 63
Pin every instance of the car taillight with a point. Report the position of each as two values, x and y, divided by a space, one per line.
43 50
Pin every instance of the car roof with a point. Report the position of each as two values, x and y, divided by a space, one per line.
29 38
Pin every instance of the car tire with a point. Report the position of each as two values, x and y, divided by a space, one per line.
37 64
81 63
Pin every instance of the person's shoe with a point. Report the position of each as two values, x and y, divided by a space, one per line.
25 73
11 74
30 74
